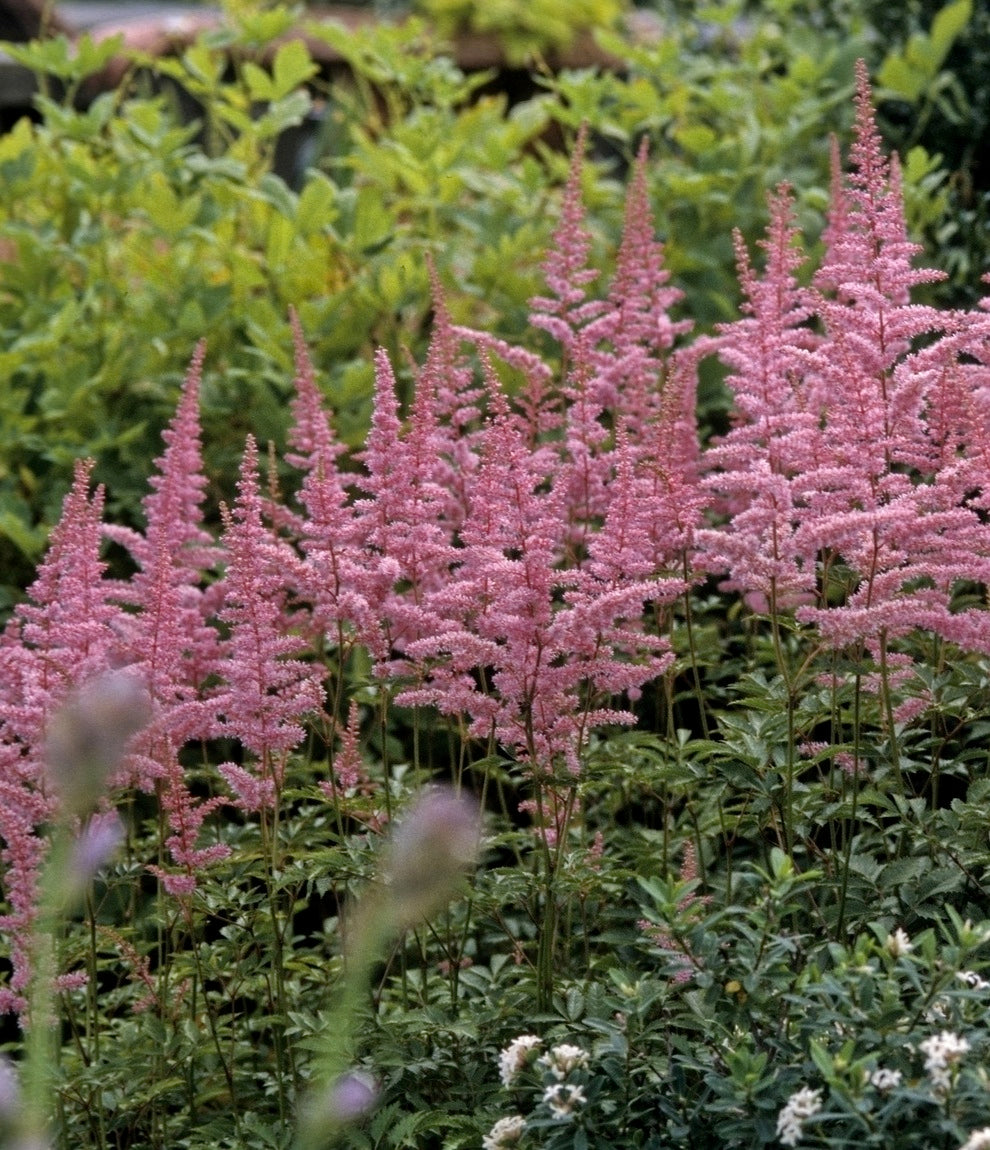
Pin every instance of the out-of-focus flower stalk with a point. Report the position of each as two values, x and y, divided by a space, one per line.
85 743
430 853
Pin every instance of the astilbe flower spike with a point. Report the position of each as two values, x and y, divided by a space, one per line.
520 643
872 498
405 532
636 324
64 635
170 638
266 691
836 465
335 571
185 815
672 500
567 271
753 469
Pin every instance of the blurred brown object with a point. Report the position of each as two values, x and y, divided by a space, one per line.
23 20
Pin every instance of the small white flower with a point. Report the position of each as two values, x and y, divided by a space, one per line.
898 943
563 1099
505 1132
886 1080
978 1140
938 1013
942 1052
563 1059
514 1057
973 980
801 1106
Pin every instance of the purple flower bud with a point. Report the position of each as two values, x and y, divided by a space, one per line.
95 847
432 848
351 1096
87 736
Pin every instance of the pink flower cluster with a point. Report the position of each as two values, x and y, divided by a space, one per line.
494 562
512 563
853 486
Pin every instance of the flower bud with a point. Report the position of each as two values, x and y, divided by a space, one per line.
431 850
95 846
87 736
340 1102
351 1097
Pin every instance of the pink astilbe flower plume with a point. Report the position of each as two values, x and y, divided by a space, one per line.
459 397
403 519
170 638
267 691
458 402
864 286
174 507
64 635
348 767
868 254
869 496
754 468
636 324
527 648
567 270
68 625
836 462
333 575
185 815
669 471
500 596
585 463
602 625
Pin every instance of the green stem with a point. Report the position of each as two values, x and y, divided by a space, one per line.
851 828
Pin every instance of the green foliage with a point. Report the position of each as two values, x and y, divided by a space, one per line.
932 61
524 28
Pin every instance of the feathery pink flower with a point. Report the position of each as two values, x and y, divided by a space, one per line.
530 650
837 458
405 532
636 324
185 815
64 635
348 766
774 440
566 267
170 639
333 576
266 691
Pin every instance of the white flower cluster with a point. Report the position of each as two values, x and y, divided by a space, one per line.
885 1080
978 1140
515 1056
898 943
973 980
563 1059
563 1099
942 1053
801 1106
506 1132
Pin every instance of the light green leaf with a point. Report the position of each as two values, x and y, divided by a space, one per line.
947 26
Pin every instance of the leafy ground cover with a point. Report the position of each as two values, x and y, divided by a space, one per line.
712 714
